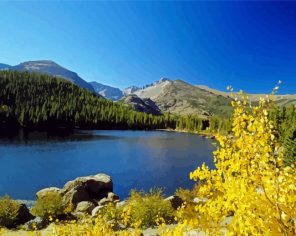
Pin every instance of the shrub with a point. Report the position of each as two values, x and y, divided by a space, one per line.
111 212
187 195
50 206
8 211
250 176
147 208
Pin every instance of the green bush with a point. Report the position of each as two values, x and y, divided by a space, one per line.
147 207
8 211
111 212
186 195
50 206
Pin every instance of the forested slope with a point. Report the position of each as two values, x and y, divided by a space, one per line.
41 101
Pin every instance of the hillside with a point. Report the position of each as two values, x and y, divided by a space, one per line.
142 105
179 97
52 68
281 100
174 96
4 66
39 101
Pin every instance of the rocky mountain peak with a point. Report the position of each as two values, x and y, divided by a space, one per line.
54 69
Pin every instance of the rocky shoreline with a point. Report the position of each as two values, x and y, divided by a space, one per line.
86 196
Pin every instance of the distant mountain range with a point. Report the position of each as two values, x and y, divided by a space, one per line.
51 68
130 90
4 66
179 97
107 91
164 95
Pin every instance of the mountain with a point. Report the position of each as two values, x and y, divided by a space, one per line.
107 91
281 100
4 66
130 90
44 102
142 105
174 96
52 68
179 97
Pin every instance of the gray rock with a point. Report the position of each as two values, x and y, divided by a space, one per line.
104 201
85 207
37 223
78 215
115 225
141 104
120 204
175 201
113 197
23 215
96 211
87 188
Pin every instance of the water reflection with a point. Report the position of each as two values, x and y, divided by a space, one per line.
134 159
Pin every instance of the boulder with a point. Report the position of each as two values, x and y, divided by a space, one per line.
175 201
75 195
113 197
85 207
96 211
116 226
43 192
104 201
23 215
78 215
120 204
35 224
87 188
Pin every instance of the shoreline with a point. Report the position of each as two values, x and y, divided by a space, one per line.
30 202
203 134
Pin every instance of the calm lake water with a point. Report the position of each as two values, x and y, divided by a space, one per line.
134 159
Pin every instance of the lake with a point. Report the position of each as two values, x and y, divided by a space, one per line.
134 159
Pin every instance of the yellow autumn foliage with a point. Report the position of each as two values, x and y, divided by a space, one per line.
250 191
250 187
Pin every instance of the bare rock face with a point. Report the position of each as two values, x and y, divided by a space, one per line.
88 188
24 214
85 207
142 105
113 197
36 223
83 194
96 211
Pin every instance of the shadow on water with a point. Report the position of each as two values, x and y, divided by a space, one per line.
56 135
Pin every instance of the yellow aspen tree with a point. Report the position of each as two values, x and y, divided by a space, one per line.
250 187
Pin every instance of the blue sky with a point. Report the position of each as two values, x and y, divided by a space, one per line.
249 45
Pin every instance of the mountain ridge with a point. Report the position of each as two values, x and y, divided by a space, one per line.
107 91
4 66
166 95
52 68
